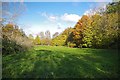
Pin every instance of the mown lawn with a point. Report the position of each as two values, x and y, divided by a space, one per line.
61 62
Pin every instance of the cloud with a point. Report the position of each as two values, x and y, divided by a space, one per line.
35 29
52 18
49 16
70 17
64 17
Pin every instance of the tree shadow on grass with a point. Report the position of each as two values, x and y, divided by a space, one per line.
58 64
105 60
64 65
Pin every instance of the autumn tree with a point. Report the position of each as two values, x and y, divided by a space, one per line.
76 35
60 40
14 39
100 30
31 38
37 40
42 38
55 34
47 37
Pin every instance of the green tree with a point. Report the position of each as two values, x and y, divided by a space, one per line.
37 40
61 39
113 7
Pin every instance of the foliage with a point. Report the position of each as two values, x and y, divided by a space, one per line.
45 38
14 39
31 38
100 30
76 35
113 7
60 40
71 44
55 34
37 40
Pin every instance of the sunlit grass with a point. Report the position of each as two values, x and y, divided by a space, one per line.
61 62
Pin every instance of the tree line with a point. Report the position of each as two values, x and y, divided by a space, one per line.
100 30
41 38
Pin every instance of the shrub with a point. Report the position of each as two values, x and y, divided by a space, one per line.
71 45
14 41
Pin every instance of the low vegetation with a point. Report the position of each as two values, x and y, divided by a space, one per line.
61 62
14 40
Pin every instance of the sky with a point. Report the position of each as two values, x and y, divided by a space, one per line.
53 16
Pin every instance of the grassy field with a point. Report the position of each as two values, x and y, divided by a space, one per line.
61 62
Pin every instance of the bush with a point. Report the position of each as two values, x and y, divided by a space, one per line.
84 45
71 44
14 41
11 47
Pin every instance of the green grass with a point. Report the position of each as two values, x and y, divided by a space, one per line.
61 62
